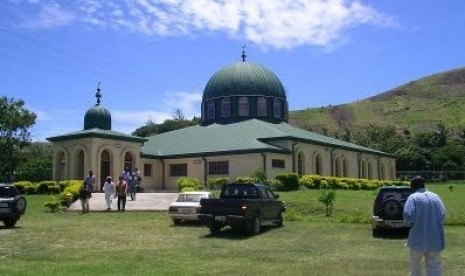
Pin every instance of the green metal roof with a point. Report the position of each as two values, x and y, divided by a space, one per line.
97 133
243 137
243 78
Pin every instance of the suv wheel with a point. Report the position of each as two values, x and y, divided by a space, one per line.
9 223
20 205
392 209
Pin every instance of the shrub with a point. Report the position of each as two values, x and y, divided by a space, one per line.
54 189
290 181
259 176
31 190
245 180
324 184
22 186
63 184
307 182
275 185
72 190
292 215
43 187
217 183
188 184
327 198
53 205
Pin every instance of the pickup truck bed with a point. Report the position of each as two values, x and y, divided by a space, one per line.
244 207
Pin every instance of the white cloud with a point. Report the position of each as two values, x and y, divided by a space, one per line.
52 15
269 23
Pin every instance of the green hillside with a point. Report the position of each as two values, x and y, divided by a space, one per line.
416 106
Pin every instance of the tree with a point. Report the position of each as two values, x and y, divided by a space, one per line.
327 198
36 162
177 122
15 121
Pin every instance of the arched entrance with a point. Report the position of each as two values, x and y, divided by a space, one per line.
61 166
128 161
105 167
80 165
301 163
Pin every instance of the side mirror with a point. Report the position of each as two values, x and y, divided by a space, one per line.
276 196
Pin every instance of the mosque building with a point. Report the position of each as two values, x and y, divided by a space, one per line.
244 127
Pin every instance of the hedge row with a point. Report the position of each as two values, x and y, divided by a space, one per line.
322 182
42 188
292 181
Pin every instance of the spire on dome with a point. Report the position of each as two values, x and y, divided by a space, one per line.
243 53
98 95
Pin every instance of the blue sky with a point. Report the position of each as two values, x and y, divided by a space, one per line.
155 56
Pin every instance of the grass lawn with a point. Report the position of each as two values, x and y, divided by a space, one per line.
146 243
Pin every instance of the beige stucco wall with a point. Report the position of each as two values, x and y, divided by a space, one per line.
357 164
67 164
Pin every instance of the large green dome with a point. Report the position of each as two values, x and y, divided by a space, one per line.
244 79
97 117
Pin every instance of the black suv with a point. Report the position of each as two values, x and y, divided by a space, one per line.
387 210
12 205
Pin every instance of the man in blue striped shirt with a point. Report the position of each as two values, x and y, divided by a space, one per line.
425 213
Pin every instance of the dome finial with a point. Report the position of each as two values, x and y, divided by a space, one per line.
243 53
98 95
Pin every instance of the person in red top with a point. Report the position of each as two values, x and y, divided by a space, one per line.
121 190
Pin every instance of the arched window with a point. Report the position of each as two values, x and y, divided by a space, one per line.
345 170
337 167
318 165
261 107
61 166
301 163
80 165
243 106
370 170
225 107
277 108
382 171
364 173
210 110
392 172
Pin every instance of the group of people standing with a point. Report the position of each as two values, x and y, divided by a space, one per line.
127 185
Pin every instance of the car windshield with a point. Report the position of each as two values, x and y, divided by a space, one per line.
8 191
191 197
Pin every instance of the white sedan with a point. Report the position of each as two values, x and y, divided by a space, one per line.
187 206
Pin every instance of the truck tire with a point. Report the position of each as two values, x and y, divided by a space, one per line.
392 209
279 221
10 223
254 225
176 221
214 228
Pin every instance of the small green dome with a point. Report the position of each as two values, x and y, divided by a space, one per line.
244 79
97 117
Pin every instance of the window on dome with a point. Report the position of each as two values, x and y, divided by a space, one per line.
243 106
261 107
277 109
210 110
225 107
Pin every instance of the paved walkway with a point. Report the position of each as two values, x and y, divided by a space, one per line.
143 202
